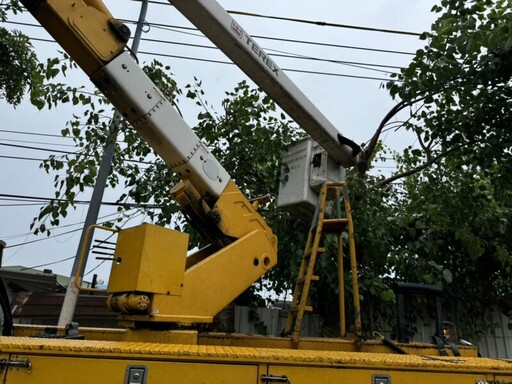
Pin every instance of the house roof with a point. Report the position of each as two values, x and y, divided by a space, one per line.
20 278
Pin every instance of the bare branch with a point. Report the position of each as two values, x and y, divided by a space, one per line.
421 167
375 138
367 153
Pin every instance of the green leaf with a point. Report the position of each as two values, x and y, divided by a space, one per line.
388 296
447 274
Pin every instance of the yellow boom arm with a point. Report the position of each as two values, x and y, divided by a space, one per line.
153 280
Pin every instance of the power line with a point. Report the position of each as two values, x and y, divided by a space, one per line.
21 205
294 56
379 50
171 27
230 63
280 53
39 160
338 74
283 53
284 69
54 151
34 134
47 264
46 238
38 142
68 258
40 134
39 149
327 24
296 41
23 158
95 268
10 237
9 197
50 237
303 57
312 22
304 21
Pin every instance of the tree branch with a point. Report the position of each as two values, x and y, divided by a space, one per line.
375 138
367 153
425 165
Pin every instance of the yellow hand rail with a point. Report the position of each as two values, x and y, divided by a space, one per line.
88 237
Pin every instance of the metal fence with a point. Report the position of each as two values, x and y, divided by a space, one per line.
271 321
498 343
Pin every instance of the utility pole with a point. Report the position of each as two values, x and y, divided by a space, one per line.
72 292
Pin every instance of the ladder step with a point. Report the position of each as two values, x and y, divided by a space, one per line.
302 279
307 308
334 225
310 251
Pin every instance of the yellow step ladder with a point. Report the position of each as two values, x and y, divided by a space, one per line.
320 226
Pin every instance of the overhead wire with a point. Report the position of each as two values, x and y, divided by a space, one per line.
95 268
66 161
11 197
305 21
39 134
38 142
34 133
327 24
303 57
39 149
72 257
231 63
50 237
38 240
279 53
67 152
178 28
342 62
10 237
55 151
22 158
21 205
283 69
47 264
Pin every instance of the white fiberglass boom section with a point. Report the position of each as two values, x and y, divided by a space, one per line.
216 24
139 100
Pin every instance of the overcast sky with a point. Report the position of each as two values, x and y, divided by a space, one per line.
354 105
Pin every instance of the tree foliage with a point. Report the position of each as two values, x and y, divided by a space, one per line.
23 73
447 218
17 59
459 85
